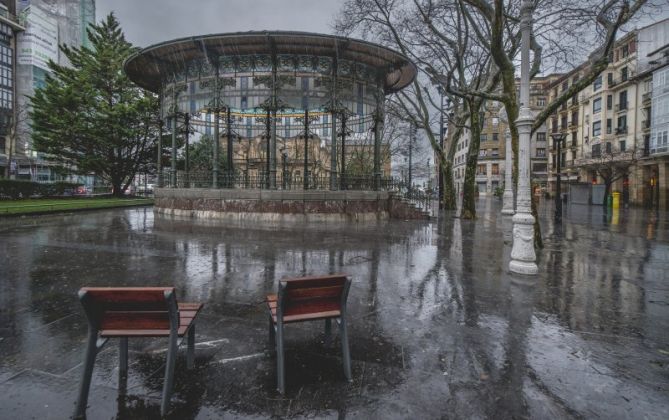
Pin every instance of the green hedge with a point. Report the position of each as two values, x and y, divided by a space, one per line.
15 189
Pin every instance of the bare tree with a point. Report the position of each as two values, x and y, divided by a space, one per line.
436 36
611 165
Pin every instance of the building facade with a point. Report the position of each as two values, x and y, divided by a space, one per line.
9 28
607 128
48 24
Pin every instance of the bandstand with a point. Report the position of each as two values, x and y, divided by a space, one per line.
289 112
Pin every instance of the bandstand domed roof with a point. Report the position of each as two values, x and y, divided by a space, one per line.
151 65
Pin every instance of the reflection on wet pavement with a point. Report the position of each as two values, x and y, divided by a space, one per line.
438 328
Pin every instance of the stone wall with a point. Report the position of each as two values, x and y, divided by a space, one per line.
282 205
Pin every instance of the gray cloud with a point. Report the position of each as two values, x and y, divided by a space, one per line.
147 22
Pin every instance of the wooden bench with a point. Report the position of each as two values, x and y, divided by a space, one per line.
122 312
309 299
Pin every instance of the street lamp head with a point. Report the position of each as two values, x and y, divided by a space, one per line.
558 137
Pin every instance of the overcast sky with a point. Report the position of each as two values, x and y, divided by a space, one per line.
147 22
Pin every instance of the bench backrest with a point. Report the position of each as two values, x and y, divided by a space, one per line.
130 308
330 290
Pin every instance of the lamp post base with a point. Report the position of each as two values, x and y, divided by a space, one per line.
523 256
507 206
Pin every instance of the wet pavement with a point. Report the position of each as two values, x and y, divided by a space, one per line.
438 328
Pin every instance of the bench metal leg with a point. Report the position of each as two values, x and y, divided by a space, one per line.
190 352
122 364
280 362
343 332
91 352
328 331
272 332
169 374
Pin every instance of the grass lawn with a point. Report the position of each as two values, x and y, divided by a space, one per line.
14 207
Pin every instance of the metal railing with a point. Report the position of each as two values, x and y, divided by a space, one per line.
262 181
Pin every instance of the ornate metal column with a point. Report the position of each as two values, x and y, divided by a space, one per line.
333 153
306 149
186 162
231 170
173 175
507 206
333 150
378 130
272 151
523 257
343 152
268 129
159 162
217 104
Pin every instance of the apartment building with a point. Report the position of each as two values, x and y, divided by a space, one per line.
607 126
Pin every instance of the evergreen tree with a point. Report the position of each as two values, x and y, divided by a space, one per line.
89 117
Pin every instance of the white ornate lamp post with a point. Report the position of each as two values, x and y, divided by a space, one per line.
523 257
507 198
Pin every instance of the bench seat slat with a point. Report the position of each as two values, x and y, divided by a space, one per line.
187 314
308 310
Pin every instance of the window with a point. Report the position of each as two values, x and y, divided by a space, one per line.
622 145
495 137
495 169
574 118
609 78
596 105
481 170
482 153
564 122
609 125
495 152
484 138
608 147
596 150
554 125
565 85
541 136
597 128
541 101
244 81
541 152
609 102
622 100
622 125
624 51
495 121
597 84
623 74
574 138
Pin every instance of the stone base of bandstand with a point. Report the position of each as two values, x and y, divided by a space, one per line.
283 205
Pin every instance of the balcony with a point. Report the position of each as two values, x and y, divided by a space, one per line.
573 124
646 97
621 107
621 130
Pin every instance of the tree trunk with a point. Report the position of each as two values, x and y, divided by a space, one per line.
607 191
469 189
450 199
450 202
538 241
